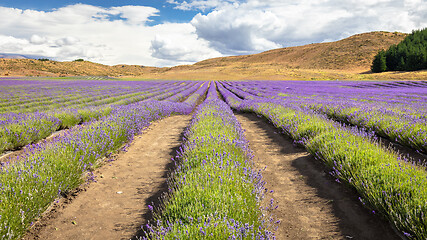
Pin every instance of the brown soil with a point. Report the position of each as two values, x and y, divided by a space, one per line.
115 207
311 204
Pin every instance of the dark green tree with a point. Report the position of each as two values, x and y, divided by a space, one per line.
401 65
408 55
379 63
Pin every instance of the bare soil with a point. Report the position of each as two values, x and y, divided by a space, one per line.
311 204
115 207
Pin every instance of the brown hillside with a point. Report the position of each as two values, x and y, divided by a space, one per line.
31 67
351 54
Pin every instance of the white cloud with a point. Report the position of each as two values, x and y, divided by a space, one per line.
36 39
13 44
202 5
105 35
257 25
170 44
67 48
251 31
135 14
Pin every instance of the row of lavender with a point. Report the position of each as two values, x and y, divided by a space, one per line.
46 170
31 95
387 184
395 110
214 193
20 129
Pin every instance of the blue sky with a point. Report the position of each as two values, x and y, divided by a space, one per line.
176 32
167 11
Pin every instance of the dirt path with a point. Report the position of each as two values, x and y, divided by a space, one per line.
115 206
311 204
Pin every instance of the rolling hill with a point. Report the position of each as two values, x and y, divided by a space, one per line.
349 58
31 67
351 54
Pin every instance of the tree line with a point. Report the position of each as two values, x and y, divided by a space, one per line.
408 55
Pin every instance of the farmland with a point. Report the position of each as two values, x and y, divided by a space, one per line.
60 135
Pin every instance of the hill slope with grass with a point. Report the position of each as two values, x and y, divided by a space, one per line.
32 67
351 54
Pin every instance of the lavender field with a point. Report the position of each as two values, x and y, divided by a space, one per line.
215 190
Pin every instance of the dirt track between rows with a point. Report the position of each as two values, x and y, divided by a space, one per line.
311 204
115 207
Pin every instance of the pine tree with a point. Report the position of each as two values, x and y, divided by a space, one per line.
379 63
391 58
408 55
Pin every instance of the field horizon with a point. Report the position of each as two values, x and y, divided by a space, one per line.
346 59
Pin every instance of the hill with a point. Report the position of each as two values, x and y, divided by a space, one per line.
349 58
31 67
351 54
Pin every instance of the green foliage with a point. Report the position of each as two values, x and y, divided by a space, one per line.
379 63
43 59
79 60
409 55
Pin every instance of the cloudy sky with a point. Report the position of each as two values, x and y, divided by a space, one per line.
174 32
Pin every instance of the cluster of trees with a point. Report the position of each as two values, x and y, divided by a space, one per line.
408 55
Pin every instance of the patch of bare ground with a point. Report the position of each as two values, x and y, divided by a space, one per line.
311 204
115 207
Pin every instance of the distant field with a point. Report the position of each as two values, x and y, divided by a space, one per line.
215 190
